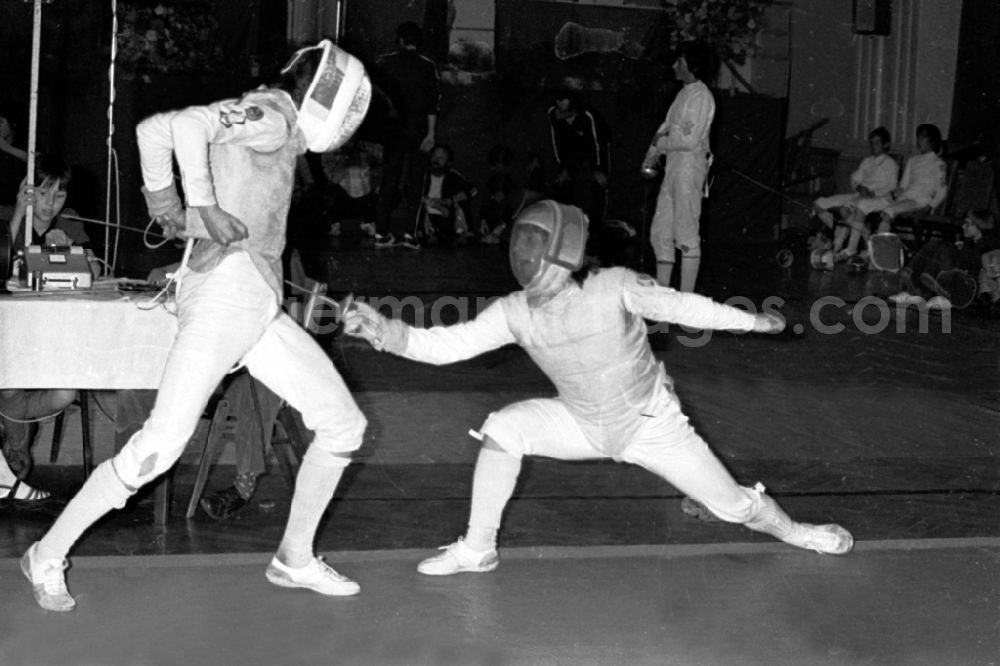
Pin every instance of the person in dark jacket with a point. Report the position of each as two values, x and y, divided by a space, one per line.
410 81
581 147
446 195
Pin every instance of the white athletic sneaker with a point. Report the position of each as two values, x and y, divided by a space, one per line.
906 298
457 558
48 579
939 303
317 576
826 539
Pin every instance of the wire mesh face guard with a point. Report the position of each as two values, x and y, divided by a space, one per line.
337 99
567 233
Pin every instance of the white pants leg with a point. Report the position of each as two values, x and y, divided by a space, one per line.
678 207
669 447
290 362
222 314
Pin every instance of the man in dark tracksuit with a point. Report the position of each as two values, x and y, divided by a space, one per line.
581 147
410 80
445 192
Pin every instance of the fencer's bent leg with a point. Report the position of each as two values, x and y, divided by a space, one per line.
532 427
493 484
290 363
690 264
221 315
688 193
661 234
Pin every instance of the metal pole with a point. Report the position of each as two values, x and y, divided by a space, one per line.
109 258
36 40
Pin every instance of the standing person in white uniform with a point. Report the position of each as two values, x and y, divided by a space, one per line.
587 334
683 138
237 161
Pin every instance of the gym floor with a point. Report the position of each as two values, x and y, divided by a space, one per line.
882 419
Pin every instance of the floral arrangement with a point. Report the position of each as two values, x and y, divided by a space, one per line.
730 25
177 37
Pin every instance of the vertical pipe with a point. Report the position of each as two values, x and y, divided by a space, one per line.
109 260
36 40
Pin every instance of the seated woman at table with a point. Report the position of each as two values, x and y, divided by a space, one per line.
21 410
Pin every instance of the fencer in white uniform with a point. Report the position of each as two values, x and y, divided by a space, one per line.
237 160
614 400
683 138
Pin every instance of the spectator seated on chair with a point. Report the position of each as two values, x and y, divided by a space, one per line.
876 176
445 196
506 194
352 174
20 410
943 271
923 185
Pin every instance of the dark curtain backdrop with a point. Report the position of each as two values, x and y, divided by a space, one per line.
975 114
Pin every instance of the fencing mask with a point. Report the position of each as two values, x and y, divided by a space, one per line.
337 99
547 236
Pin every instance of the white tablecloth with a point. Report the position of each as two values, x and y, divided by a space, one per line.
83 340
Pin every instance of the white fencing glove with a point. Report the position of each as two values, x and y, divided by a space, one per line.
384 334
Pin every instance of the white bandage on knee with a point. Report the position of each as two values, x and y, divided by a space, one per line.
501 431
326 459
137 466
690 251
110 486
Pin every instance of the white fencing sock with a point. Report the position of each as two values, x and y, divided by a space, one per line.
101 493
315 484
492 485
771 519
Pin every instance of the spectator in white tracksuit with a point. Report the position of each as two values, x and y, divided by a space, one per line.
924 185
615 400
876 176
683 138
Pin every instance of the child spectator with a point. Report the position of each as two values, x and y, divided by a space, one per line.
946 272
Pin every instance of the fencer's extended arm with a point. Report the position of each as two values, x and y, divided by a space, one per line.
440 345
644 297
689 131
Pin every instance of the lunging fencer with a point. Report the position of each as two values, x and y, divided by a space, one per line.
237 161
683 139
588 335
